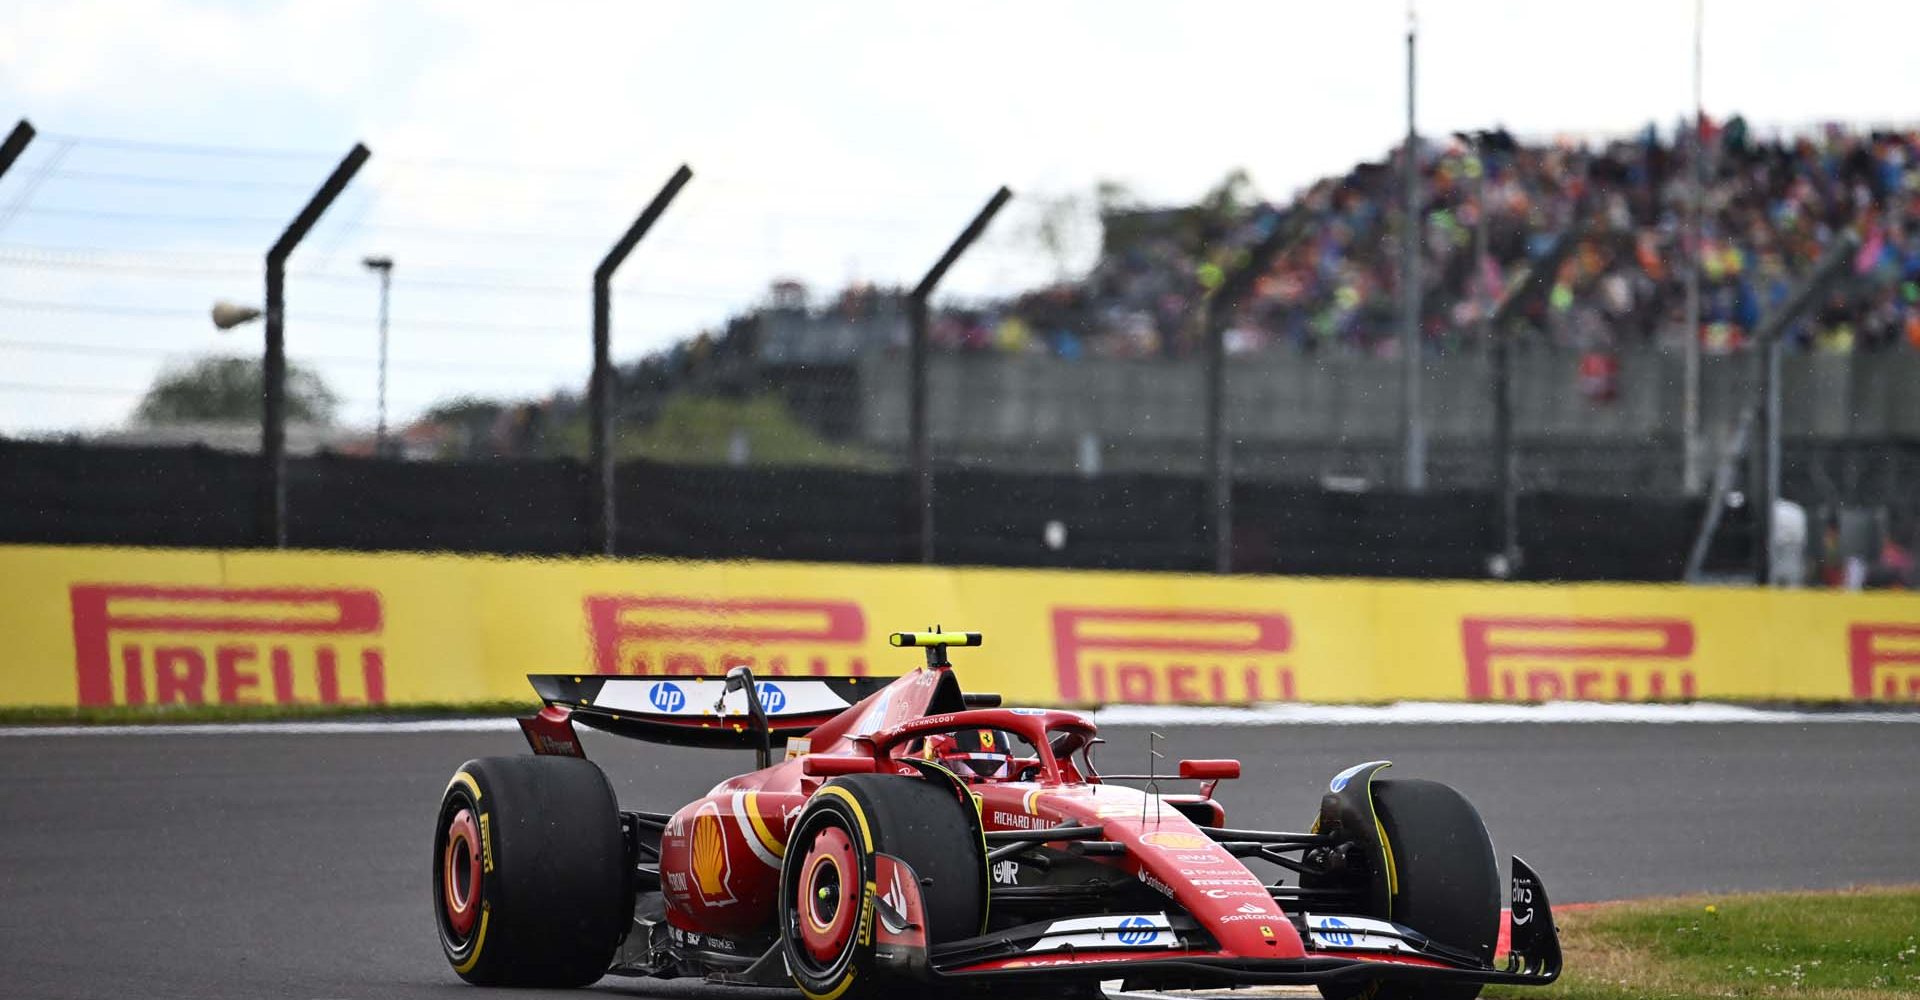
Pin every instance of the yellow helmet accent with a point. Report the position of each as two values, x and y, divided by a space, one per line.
934 639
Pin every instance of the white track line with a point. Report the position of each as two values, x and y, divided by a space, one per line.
1402 713
1438 712
331 727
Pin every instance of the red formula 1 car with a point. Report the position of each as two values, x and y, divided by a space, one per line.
921 837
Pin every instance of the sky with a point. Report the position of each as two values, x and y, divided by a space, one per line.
830 142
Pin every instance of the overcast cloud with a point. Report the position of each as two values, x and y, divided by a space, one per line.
830 141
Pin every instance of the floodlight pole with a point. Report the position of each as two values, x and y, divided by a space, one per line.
600 388
14 144
1692 461
1413 428
917 319
273 368
382 266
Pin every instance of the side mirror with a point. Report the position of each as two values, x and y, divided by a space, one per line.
816 765
1210 770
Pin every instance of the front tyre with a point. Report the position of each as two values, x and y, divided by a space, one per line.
529 872
1448 884
827 877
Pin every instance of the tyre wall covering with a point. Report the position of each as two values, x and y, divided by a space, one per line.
121 626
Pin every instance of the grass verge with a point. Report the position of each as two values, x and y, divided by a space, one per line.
1850 945
122 715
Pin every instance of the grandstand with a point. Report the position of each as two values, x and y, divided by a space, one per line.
1100 372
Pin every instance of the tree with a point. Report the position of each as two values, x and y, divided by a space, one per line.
231 389
487 428
1063 227
697 429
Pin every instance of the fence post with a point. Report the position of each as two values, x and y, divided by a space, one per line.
600 386
1532 284
917 319
1717 498
15 144
1765 456
273 367
1219 454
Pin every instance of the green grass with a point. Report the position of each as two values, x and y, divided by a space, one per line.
1828 946
121 715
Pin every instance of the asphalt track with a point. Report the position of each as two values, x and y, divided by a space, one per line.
236 866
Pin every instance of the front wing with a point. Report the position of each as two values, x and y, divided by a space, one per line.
1170 951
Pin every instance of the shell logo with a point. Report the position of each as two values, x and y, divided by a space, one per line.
710 867
1176 840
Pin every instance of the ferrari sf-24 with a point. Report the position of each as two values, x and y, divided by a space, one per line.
917 837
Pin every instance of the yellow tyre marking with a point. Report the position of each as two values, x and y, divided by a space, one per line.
865 930
1386 846
866 832
833 994
479 941
778 849
486 841
463 778
866 837
986 874
486 848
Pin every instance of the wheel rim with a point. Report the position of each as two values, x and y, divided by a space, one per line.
461 874
827 878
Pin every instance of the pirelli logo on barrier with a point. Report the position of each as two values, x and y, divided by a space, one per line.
163 645
680 636
1165 656
1885 661
1523 658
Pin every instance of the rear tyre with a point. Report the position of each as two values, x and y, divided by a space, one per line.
826 880
529 872
1449 884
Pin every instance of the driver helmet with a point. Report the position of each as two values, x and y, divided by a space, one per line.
973 754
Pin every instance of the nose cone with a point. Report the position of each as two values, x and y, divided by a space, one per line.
1213 886
1172 856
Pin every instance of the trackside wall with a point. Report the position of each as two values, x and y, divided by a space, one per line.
101 626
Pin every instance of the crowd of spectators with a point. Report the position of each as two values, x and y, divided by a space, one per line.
1771 207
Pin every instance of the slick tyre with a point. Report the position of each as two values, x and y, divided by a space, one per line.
827 919
529 872
1448 885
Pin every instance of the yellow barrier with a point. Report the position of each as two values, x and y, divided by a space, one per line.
92 626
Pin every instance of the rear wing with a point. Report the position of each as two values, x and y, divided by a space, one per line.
682 711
